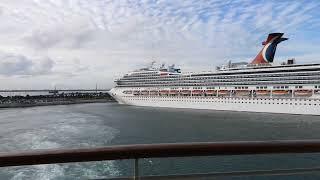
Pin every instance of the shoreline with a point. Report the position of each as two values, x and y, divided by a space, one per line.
54 103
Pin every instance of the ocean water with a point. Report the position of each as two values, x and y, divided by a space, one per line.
95 125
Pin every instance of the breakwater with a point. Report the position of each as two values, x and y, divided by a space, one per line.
54 99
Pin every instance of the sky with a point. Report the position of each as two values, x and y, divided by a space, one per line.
80 43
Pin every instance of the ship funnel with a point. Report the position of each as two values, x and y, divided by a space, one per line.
266 55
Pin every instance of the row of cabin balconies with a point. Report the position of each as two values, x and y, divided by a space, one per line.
226 80
221 84
168 78
224 75
204 83
232 88
228 93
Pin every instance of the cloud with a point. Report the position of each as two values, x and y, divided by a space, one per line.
62 36
102 39
19 65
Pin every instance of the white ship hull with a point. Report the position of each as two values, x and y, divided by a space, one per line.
306 106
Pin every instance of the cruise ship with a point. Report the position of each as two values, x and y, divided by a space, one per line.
259 86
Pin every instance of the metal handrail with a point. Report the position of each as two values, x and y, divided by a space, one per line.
139 151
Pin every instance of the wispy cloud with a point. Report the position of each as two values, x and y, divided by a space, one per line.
101 39
19 65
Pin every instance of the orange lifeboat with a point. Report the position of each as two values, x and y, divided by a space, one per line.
197 92
280 92
174 92
211 92
164 92
223 92
303 92
242 92
262 92
185 92
144 92
154 92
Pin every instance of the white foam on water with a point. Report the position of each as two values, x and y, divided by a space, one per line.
58 129
43 172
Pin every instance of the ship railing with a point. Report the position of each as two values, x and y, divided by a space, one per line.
141 151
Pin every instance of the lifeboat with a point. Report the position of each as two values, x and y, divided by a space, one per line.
164 74
223 92
127 92
136 93
144 92
280 92
154 92
262 92
197 92
185 92
242 92
303 92
164 92
174 92
211 92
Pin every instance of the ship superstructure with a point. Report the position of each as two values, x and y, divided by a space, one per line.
259 86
